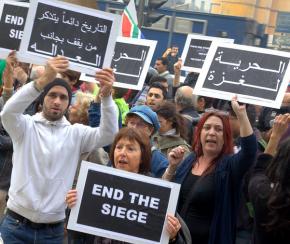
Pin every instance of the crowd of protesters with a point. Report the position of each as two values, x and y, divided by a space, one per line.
232 160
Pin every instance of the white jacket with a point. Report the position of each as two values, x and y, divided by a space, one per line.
46 155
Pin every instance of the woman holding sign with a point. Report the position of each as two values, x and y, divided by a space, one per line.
131 151
211 176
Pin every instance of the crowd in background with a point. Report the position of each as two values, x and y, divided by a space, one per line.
232 160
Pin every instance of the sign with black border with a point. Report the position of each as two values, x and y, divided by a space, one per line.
257 75
85 36
195 51
131 61
121 205
12 20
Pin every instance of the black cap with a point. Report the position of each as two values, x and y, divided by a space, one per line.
56 82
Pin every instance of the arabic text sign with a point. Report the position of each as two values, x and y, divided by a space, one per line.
13 17
259 76
196 49
130 62
84 36
122 205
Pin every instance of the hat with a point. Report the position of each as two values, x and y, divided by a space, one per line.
267 116
56 82
147 114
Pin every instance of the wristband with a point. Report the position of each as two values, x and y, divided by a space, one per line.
36 88
167 172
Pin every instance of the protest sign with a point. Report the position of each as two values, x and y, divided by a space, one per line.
195 51
13 17
85 36
121 205
257 75
131 61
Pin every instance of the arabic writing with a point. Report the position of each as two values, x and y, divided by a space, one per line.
246 72
197 52
85 28
81 38
128 62
242 80
124 57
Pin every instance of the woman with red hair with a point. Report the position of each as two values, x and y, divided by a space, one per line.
211 176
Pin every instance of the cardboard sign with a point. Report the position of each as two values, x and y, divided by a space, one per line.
85 36
195 51
121 205
130 62
13 18
257 75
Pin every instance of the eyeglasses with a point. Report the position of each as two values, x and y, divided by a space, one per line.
133 124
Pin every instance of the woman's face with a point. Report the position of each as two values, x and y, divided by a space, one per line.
212 136
127 155
165 125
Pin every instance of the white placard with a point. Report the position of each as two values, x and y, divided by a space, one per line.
130 62
85 36
121 205
257 75
195 51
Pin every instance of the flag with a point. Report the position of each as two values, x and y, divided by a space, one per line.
130 22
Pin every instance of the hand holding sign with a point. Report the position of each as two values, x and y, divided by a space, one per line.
239 109
11 61
53 66
173 226
106 78
177 66
20 75
71 198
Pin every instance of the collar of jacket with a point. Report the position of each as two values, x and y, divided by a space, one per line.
166 72
40 119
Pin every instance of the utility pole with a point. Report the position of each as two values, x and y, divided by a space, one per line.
140 13
172 24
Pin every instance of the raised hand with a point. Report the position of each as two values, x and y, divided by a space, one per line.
240 110
53 66
20 74
106 78
56 65
175 156
281 123
11 59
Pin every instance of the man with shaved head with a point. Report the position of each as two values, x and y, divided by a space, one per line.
185 102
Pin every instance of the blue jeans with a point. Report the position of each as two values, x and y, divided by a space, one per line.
15 232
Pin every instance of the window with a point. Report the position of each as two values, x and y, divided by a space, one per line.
183 25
